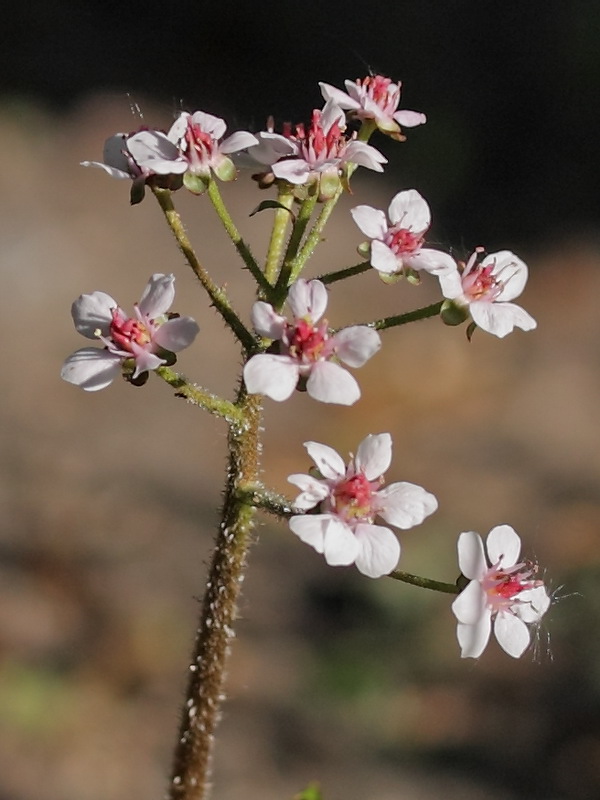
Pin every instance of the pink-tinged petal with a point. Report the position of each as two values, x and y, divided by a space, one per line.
532 604
154 151
410 210
330 383
313 491
339 98
271 375
238 141
432 261
471 555
293 170
92 313
500 319
451 284
356 345
474 638
266 321
374 455
310 529
308 299
383 259
509 269
365 156
340 546
503 546
91 368
410 119
470 605
270 148
405 504
371 221
145 359
115 152
176 334
332 114
214 126
158 295
512 633
329 463
379 550
112 171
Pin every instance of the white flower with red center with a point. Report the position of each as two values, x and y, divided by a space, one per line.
502 591
194 147
397 246
376 98
484 289
320 152
150 337
303 350
349 498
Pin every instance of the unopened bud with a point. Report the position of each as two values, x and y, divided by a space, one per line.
453 314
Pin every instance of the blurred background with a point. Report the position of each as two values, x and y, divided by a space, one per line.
110 500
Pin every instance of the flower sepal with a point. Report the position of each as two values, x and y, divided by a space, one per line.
453 313
196 184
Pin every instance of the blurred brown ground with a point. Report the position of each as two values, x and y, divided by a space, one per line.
109 503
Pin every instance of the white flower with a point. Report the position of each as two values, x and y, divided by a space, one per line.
503 592
484 289
305 349
376 98
349 499
399 246
146 337
192 147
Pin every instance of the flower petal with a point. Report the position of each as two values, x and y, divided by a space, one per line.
238 141
405 504
310 528
154 151
471 555
429 260
379 550
92 313
313 491
176 334
374 455
271 375
371 221
503 546
330 383
158 295
409 119
340 545
355 345
383 258
266 321
473 638
470 605
340 98
365 156
509 269
308 299
512 633
327 460
532 604
91 368
410 210
500 319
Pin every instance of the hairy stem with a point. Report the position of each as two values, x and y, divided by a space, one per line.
347 272
280 223
200 397
424 583
201 712
402 319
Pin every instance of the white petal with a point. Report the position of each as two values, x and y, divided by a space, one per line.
271 375
330 383
308 299
473 638
92 312
153 150
471 555
115 149
91 368
145 359
383 259
405 504
511 270
340 98
512 633
410 210
409 119
365 156
293 170
158 295
310 528
371 221
355 345
374 455
214 126
429 260
176 334
238 141
313 491
112 171
379 550
331 114
470 605
266 321
451 283
327 460
340 546
500 319
503 545
532 604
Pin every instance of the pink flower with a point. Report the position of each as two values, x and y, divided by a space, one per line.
348 500
376 98
304 349
399 246
192 147
484 288
147 337
504 592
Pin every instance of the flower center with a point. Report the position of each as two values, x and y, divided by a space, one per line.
503 587
352 497
381 91
305 341
403 240
316 145
124 331
480 283
200 145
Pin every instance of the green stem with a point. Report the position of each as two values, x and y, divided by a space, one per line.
425 583
282 217
217 295
236 237
402 319
342 274
289 270
190 779
314 237
200 397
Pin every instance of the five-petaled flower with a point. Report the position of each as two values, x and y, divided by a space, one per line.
504 591
484 288
150 337
398 247
303 350
349 498
376 98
